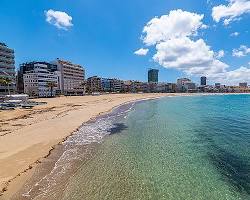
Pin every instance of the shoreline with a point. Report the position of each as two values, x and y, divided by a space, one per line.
50 169
12 185
17 182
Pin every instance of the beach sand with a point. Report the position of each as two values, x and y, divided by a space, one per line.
27 136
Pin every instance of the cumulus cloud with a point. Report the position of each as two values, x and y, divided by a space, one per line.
59 19
192 57
175 38
177 24
141 52
172 35
241 52
231 12
235 34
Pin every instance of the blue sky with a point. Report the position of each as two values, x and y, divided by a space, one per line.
105 34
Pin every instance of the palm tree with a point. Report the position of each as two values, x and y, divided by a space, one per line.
51 85
6 81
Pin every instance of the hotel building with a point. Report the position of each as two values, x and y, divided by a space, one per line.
7 68
71 77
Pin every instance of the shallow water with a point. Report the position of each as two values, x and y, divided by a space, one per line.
171 148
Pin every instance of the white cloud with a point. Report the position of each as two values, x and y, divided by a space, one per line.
235 34
220 54
59 19
241 52
172 35
233 77
231 12
177 24
192 57
141 52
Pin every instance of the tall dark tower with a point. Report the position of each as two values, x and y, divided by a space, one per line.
203 80
153 75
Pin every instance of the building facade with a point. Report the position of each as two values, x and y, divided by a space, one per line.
106 84
27 67
117 85
203 80
153 75
162 88
190 87
71 77
217 85
243 85
181 83
172 87
94 84
38 81
7 69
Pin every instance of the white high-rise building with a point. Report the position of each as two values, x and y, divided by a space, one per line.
37 82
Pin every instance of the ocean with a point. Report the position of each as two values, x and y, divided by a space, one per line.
191 147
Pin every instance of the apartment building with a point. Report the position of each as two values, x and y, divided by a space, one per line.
117 85
106 84
7 69
182 84
40 81
94 84
71 77
30 66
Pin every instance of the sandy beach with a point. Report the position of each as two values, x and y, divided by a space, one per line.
27 136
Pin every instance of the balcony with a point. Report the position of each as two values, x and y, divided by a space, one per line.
7 67
11 75
9 72
6 60
7 54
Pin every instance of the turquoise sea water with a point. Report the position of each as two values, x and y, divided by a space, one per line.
174 148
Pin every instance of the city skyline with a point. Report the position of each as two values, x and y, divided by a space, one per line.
104 41
153 74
